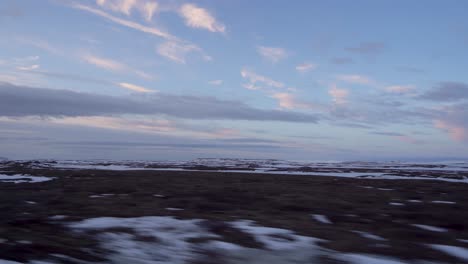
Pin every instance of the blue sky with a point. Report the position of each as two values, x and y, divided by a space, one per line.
308 80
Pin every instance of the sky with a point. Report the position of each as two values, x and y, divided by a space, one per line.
323 80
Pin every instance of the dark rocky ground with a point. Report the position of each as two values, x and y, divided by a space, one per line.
283 201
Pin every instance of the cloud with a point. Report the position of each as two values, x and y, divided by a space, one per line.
457 132
447 92
355 79
393 134
28 68
17 101
198 17
341 60
305 67
453 119
104 63
127 23
216 82
400 89
254 80
272 54
174 49
146 8
339 95
113 65
135 88
178 52
370 48
289 101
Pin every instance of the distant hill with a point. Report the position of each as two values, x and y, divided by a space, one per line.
3 158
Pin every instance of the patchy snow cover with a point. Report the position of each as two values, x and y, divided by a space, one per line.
369 235
458 252
164 239
168 235
23 178
322 219
431 228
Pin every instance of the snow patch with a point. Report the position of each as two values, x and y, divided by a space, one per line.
430 228
17 178
458 252
322 219
369 236
443 202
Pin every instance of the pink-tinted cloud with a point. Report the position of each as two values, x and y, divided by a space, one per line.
456 132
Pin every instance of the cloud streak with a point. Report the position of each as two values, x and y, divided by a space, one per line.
17 101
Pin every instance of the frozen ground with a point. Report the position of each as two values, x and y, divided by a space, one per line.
232 211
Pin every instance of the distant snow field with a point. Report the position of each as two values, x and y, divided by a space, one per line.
448 171
23 178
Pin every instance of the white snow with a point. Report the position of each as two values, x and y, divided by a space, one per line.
169 236
174 209
366 259
2 261
443 202
430 228
458 252
167 241
274 238
369 235
396 204
30 202
322 219
415 201
58 217
463 240
23 178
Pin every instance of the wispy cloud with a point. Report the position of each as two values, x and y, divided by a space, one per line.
28 68
198 17
289 101
339 95
178 52
146 8
127 23
135 87
355 79
257 81
400 89
216 82
305 67
272 54
104 63
113 65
